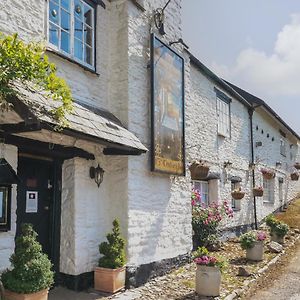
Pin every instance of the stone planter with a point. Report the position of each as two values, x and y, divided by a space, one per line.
276 238
208 281
256 253
41 295
109 280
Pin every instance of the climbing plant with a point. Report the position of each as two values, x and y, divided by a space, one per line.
28 64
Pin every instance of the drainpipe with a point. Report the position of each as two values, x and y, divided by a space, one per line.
250 111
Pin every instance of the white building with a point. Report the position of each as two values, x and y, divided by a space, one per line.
107 69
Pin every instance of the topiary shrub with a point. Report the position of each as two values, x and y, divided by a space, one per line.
113 251
31 268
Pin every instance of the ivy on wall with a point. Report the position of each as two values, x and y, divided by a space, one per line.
28 64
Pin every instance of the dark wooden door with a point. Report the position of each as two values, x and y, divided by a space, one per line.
35 198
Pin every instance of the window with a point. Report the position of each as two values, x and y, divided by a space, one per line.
5 208
72 29
282 147
202 187
235 204
269 190
223 114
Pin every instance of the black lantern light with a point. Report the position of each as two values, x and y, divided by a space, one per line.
7 177
97 174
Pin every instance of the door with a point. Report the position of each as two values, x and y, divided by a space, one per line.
35 198
281 192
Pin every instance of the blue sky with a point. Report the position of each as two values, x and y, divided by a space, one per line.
254 44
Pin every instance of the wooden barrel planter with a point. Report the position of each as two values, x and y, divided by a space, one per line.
198 170
294 176
297 166
237 195
257 192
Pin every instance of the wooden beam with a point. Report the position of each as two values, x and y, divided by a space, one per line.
20 127
115 151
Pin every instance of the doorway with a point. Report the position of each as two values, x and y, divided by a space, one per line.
38 201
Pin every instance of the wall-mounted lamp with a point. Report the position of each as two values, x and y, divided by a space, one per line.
278 163
258 144
97 174
227 164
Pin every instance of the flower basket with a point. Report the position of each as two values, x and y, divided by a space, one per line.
295 176
199 170
297 165
268 174
258 192
237 194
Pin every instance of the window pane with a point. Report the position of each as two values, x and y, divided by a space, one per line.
65 20
78 49
65 4
88 35
53 35
88 55
78 29
78 9
88 15
65 41
53 12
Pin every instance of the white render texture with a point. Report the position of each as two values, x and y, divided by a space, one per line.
7 239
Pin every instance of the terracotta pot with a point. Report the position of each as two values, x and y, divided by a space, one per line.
41 295
256 253
297 166
258 192
109 280
294 176
198 171
276 238
208 281
238 195
269 175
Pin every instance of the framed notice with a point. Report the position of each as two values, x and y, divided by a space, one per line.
167 109
31 202
5 211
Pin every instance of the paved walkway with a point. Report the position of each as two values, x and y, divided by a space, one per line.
285 285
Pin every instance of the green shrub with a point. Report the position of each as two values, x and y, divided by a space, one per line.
247 240
278 227
271 220
114 250
31 268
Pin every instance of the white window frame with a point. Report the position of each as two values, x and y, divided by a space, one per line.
283 147
269 190
223 116
206 192
58 49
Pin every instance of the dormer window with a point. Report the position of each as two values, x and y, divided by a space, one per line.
72 30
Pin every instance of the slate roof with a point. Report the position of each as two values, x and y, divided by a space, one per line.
91 122
255 101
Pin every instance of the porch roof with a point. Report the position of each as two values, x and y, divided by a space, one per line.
85 122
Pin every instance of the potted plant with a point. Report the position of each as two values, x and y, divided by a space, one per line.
258 191
297 165
238 194
253 243
294 176
267 173
31 275
199 170
109 276
278 229
208 273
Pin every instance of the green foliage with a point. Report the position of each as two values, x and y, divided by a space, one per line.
27 64
114 250
278 227
31 268
201 251
248 239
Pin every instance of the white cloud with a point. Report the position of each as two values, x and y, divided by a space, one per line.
272 74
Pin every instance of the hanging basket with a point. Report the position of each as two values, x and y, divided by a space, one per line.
268 175
258 192
237 195
297 166
199 170
294 176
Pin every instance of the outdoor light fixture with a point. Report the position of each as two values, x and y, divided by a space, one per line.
258 144
97 174
227 164
278 163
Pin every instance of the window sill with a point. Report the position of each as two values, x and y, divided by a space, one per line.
223 135
51 50
268 202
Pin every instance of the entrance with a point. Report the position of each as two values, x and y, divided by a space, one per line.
38 202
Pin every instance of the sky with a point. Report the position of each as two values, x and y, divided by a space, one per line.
254 44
